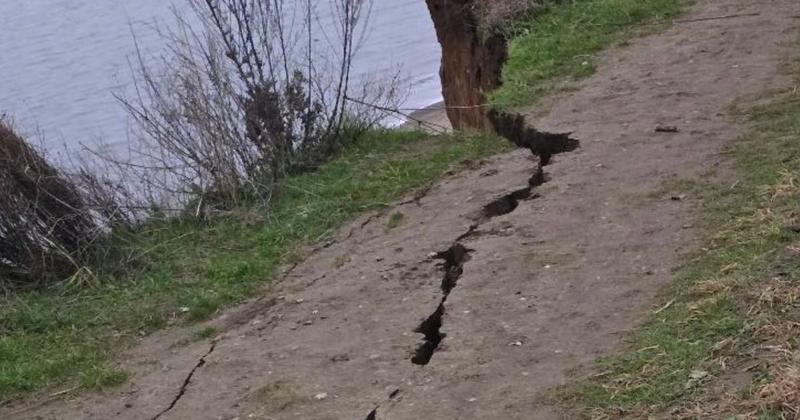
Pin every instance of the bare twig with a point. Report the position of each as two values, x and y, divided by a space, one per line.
705 19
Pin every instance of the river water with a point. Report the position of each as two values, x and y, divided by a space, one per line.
60 61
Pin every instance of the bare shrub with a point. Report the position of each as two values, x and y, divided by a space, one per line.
496 12
243 96
46 230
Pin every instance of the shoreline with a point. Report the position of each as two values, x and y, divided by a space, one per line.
431 118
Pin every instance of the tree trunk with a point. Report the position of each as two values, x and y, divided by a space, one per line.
472 64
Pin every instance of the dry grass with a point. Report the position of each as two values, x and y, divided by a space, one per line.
725 341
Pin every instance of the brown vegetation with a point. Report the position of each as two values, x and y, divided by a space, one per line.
45 228
244 97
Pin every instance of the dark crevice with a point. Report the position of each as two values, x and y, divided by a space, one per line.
186 382
541 144
507 203
431 328
373 415
454 259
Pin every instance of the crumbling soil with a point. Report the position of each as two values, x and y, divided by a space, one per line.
499 305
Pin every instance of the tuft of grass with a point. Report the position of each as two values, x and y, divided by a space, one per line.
737 293
70 335
395 220
280 395
559 43
205 333
102 377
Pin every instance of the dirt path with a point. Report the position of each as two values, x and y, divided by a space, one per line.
529 295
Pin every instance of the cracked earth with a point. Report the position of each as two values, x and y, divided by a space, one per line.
502 281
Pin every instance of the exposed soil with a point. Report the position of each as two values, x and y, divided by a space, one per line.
472 310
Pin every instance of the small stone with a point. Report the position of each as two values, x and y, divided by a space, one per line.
515 343
321 396
184 309
472 399
299 301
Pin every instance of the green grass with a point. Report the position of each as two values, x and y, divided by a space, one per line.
69 336
205 333
707 316
560 42
395 220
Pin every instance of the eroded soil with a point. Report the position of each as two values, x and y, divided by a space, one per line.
495 287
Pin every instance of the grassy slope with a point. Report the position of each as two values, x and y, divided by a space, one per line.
736 295
559 43
49 338
71 335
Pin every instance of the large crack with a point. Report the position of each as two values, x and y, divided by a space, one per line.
431 328
541 144
186 382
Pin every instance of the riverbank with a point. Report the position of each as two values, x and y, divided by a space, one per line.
432 118
65 340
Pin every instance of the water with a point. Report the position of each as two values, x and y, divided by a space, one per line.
60 61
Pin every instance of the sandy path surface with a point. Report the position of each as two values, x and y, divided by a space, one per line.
512 300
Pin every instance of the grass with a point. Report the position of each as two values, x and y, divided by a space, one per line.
560 42
395 220
732 301
69 336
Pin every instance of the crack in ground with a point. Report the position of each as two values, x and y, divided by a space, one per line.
541 144
373 415
186 382
431 328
